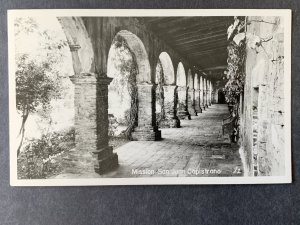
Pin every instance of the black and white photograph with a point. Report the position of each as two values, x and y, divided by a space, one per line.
122 97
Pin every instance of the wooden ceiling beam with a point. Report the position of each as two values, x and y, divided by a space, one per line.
176 21
151 20
206 52
181 29
216 68
217 27
202 40
200 46
199 35
186 21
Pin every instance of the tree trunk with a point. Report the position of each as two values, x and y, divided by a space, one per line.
22 130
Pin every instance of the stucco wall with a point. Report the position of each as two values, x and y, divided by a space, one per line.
262 125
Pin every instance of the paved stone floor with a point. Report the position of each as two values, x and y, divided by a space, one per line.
196 149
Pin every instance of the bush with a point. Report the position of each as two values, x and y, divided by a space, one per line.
38 158
112 125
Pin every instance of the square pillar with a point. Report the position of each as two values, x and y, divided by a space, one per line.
213 97
209 98
91 124
146 129
203 100
197 101
170 102
206 98
182 109
191 102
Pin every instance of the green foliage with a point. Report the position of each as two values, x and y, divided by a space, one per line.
35 85
125 83
160 115
24 25
235 62
123 63
40 157
235 71
112 125
38 79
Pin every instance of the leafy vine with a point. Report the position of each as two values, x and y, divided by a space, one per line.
235 62
131 66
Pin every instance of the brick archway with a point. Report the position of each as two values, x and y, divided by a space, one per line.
191 94
181 82
140 55
80 44
197 93
202 93
166 82
146 128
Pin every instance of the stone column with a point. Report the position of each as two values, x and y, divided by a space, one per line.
213 100
209 98
191 102
170 107
211 94
146 129
75 59
182 111
197 101
204 100
91 124
201 99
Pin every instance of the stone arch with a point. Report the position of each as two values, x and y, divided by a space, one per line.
191 94
202 94
196 82
197 93
80 44
190 80
168 68
122 97
166 93
201 83
209 93
181 82
137 48
145 128
159 93
180 75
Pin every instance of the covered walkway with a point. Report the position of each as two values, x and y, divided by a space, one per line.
196 149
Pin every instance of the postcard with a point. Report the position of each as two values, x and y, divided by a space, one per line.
148 97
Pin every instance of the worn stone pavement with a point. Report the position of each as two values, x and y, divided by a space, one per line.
196 149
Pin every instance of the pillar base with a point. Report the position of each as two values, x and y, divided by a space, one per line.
199 110
170 123
193 112
183 115
105 161
146 134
